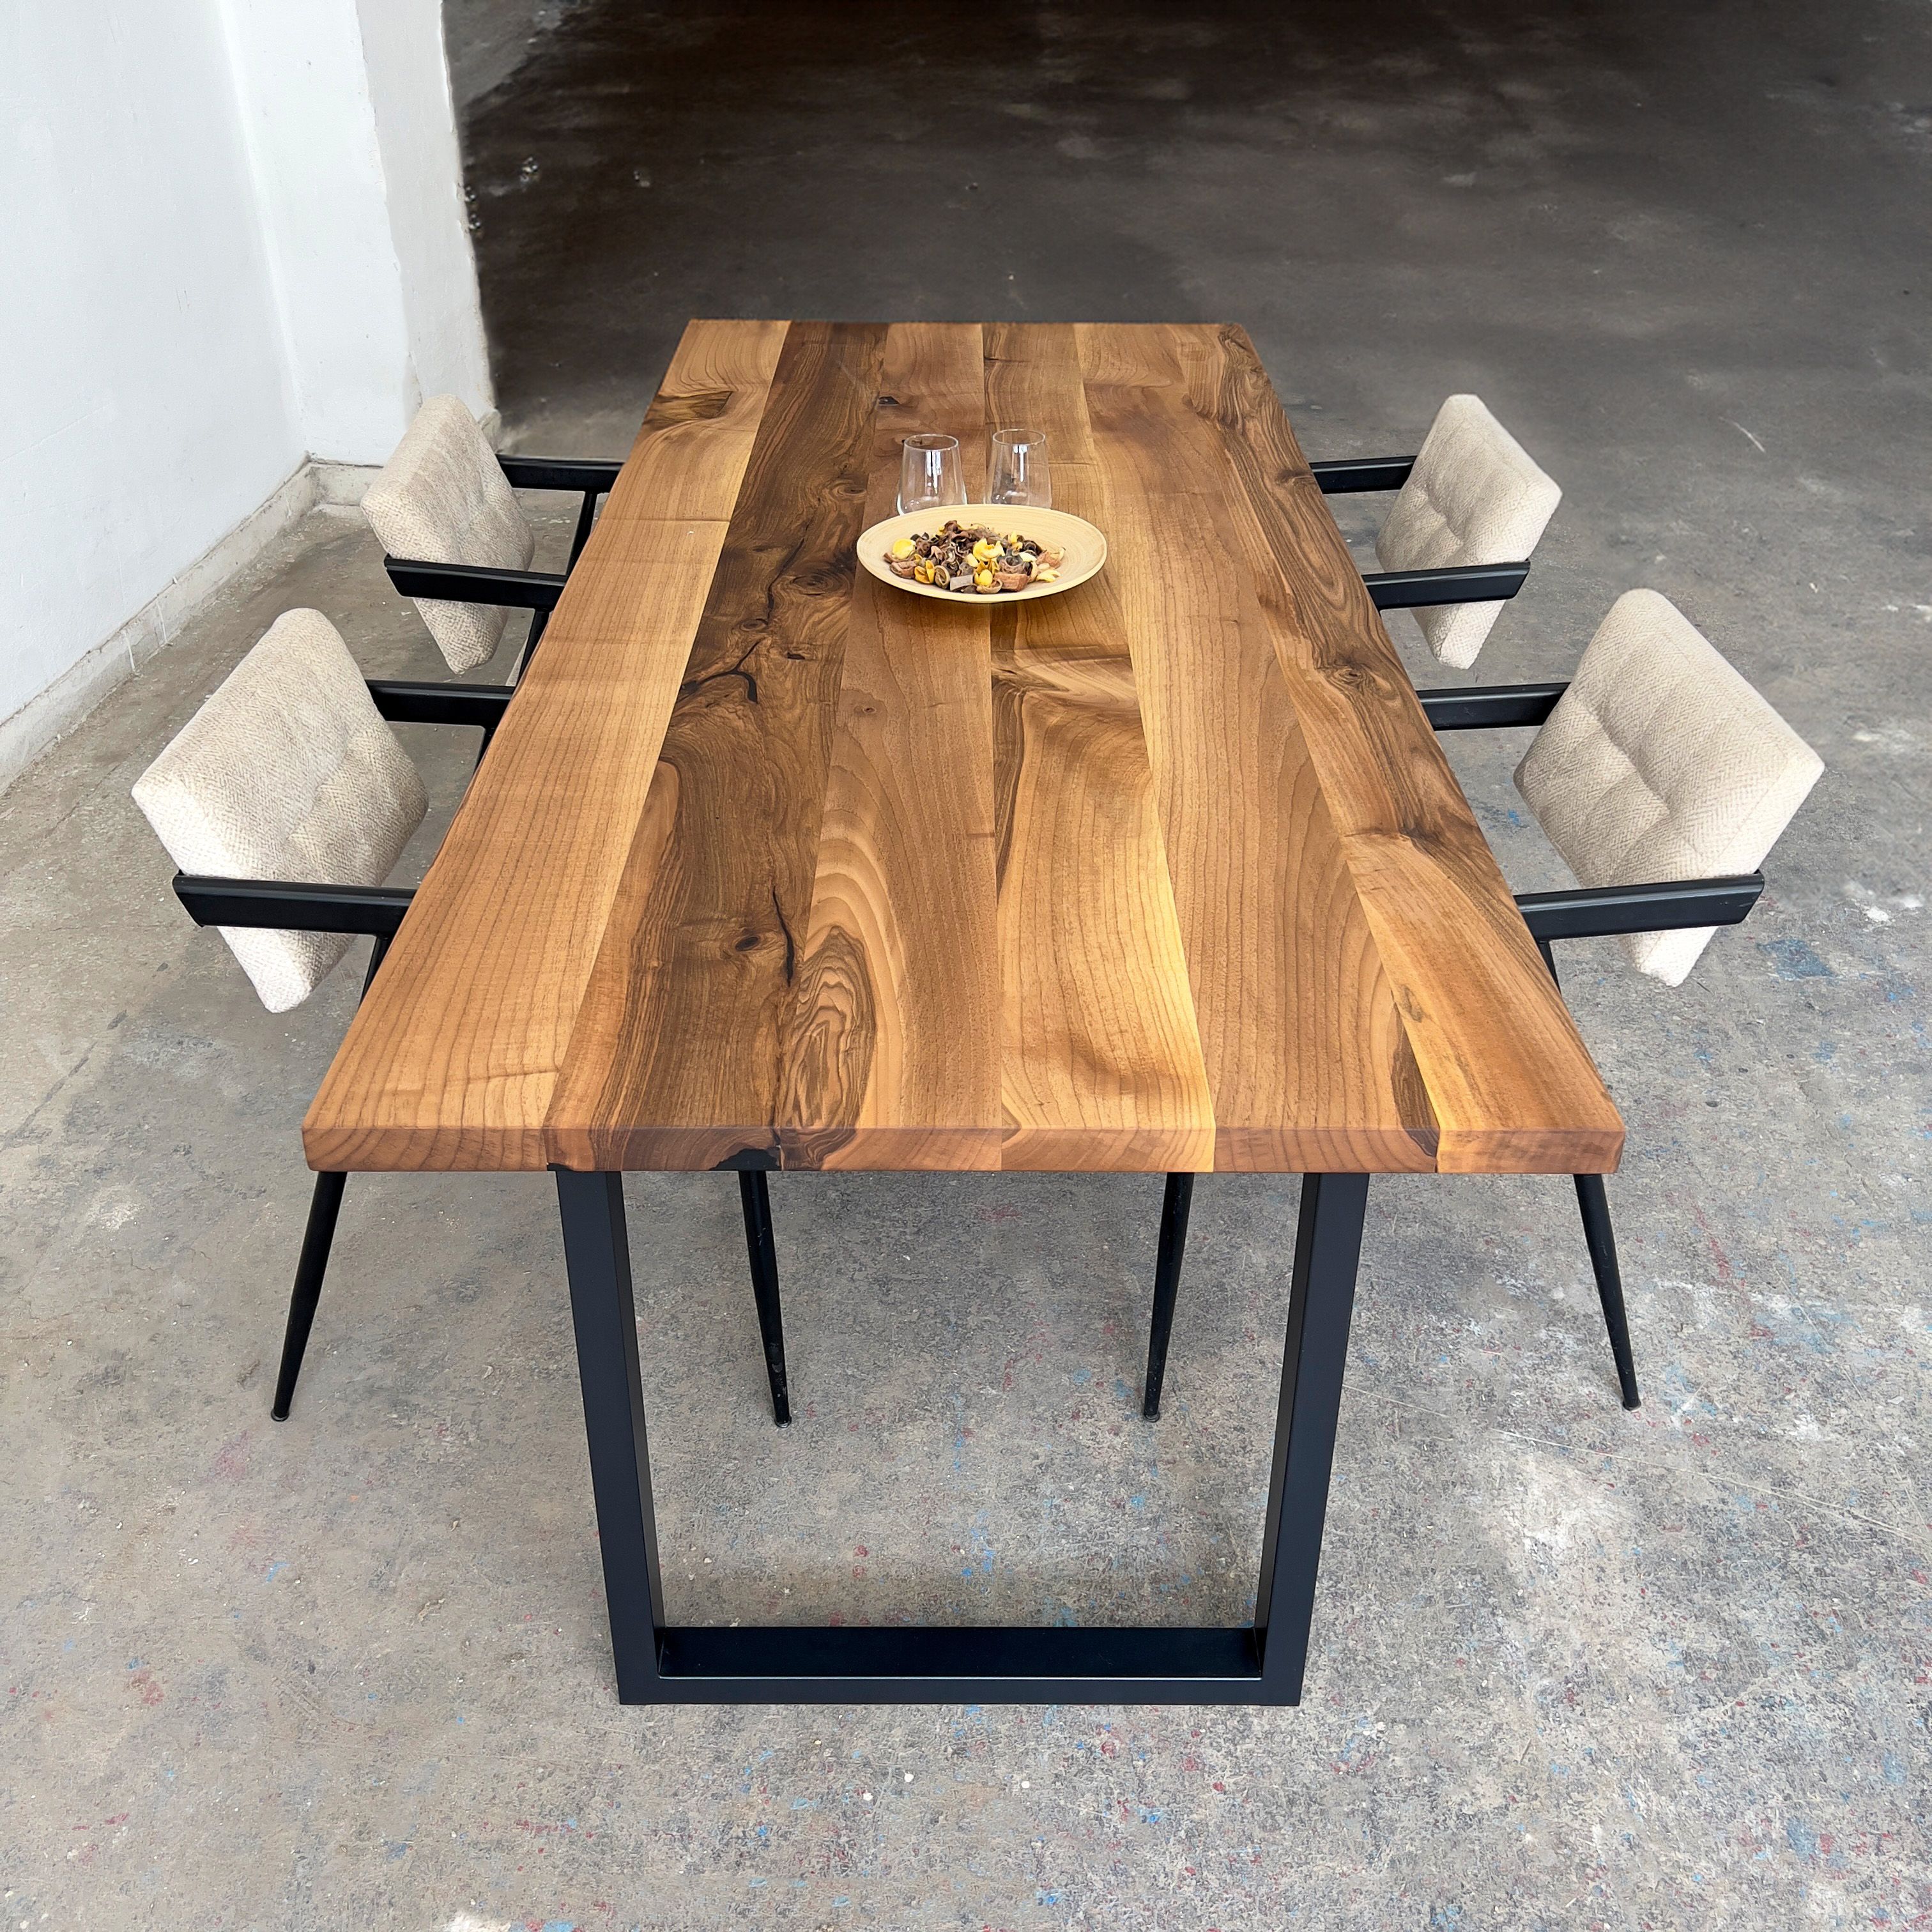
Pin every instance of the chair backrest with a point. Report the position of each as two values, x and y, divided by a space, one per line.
1659 762
288 771
442 498
1475 495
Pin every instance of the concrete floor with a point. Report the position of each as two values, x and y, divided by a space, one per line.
1571 1667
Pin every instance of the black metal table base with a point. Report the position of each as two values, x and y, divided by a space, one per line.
902 1664
661 1663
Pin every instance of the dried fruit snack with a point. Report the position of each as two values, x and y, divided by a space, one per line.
974 559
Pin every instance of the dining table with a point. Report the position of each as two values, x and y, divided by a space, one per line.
770 866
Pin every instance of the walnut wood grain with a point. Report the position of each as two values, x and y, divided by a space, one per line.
1033 382
1102 1066
684 1012
689 458
452 1059
892 1057
1511 1085
1306 1056
769 864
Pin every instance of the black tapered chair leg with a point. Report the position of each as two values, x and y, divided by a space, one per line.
756 1200
539 621
1594 1202
586 518
1174 1206
326 1204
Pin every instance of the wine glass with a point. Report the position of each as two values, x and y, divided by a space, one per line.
1020 474
929 472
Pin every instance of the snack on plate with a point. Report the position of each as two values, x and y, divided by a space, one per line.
973 558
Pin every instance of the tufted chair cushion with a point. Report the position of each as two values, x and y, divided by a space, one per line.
1659 762
1475 496
442 498
288 771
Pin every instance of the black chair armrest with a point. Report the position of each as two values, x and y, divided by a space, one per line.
1455 583
403 701
594 479
1593 911
1349 475
291 906
475 583
559 473
1487 707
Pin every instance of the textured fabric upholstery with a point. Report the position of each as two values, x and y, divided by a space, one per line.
442 498
1659 762
287 772
1475 496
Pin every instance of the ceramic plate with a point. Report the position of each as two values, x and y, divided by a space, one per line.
1086 548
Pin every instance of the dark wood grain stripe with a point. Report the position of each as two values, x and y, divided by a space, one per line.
687 1005
892 1054
1102 1063
1298 1027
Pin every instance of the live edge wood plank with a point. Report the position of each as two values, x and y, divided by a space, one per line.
1101 1065
1306 1055
770 865
452 1059
676 1058
891 1052
1511 1086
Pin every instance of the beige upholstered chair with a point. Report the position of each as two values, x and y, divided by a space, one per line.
287 772
445 510
1475 496
1659 762
1473 506
1664 780
442 498
285 800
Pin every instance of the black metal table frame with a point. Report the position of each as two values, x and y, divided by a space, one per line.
659 1663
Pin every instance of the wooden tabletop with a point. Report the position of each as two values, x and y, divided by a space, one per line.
768 860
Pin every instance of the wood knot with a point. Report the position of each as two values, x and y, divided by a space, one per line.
1353 676
819 583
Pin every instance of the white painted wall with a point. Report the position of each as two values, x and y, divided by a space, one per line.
149 406
303 99
234 238
353 140
415 128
